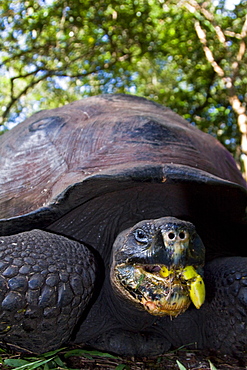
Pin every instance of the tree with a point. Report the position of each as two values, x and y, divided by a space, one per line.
208 59
55 52
229 41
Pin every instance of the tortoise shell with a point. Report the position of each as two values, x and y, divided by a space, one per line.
62 158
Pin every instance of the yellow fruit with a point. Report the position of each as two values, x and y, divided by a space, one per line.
164 272
197 291
195 285
189 272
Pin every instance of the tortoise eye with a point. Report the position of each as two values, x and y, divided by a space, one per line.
141 236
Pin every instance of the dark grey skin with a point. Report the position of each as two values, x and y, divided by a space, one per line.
51 296
73 179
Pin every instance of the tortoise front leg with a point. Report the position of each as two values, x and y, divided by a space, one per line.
46 281
225 309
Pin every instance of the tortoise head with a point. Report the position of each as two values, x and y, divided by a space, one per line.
157 265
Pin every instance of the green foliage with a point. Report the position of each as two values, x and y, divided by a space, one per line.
88 354
55 52
122 367
57 360
47 361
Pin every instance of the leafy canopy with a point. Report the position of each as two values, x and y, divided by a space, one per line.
55 52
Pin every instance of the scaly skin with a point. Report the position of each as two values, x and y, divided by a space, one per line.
46 281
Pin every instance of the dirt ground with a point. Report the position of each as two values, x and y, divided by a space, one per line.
191 360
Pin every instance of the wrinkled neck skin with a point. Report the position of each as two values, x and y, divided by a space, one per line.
180 330
130 315
112 313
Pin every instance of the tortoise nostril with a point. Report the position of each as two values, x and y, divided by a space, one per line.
181 235
171 235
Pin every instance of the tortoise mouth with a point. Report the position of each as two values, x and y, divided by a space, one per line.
159 290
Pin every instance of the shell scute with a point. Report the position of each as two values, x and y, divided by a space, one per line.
53 150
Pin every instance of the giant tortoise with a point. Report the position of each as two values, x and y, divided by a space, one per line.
123 229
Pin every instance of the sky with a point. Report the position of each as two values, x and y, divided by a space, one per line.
230 4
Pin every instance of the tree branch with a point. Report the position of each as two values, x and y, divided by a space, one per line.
49 73
194 7
229 81
208 53
14 99
242 46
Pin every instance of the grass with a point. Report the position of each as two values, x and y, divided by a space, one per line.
77 358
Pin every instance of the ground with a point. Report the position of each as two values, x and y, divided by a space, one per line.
179 360
83 359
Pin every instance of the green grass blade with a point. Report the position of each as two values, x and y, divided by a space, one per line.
85 353
27 365
15 362
212 367
52 353
59 362
122 367
180 366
